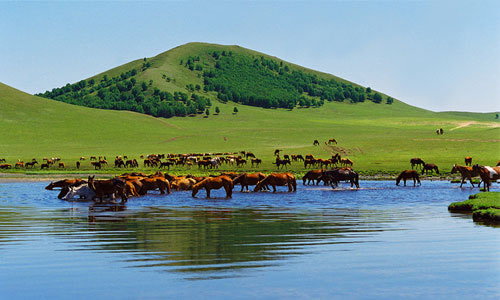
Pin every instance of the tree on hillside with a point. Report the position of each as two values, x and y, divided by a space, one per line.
207 112
235 110
389 100
377 98
217 110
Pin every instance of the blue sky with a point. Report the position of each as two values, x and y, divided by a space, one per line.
438 55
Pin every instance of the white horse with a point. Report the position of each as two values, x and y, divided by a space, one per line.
82 192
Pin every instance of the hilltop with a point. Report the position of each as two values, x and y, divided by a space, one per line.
186 80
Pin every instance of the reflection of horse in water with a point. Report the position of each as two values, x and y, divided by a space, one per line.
333 177
408 174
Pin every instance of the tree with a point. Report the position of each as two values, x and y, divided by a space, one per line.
207 112
235 110
389 100
368 90
496 116
217 110
377 98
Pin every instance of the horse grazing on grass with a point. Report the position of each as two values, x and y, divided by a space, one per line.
5 166
248 179
108 188
313 175
278 179
466 172
330 141
282 162
212 183
30 164
256 161
415 162
333 177
96 164
408 174
316 143
487 174
430 167
346 162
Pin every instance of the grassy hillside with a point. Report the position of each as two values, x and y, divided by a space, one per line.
183 81
376 137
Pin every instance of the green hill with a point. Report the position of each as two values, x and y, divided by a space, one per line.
376 137
187 79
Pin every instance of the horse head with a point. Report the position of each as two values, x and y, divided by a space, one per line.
90 183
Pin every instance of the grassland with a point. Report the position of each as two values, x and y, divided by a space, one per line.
483 206
379 138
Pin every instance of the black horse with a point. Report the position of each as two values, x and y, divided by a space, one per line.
333 177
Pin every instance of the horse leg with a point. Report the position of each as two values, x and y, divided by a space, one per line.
404 180
208 192
274 188
470 179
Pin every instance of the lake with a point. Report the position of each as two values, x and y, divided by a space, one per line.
379 242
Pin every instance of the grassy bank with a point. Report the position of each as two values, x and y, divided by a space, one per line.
483 206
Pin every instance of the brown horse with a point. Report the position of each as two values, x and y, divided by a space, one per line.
417 161
278 179
346 162
466 172
333 177
313 175
408 174
65 183
214 183
468 161
281 162
108 188
5 166
330 141
256 161
487 174
248 179
153 183
96 164
316 143
430 167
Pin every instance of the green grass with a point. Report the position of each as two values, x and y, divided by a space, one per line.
379 138
484 207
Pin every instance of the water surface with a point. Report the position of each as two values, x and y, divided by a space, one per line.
381 241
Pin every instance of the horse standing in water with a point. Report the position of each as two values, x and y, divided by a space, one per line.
466 172
214 183
278 179
408 174
333 177
487 174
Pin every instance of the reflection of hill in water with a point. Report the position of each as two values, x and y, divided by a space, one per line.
207 240
203 242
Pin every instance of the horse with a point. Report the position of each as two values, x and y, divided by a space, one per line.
5 166
96 164
330 141
19 164
415 162
278 179
240 162
153 183
249 154
2 160
468 161
82 192
248 179
65 183
183 183
313 175
281 162
487 174
166 164
78 165
316 143
108 188
346 161
408 174
333 177
277 152
309 162
430 167
44 166
30 164
439 131
466 172
62 165
256 161
214 183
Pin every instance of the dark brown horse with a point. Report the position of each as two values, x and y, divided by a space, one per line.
415 162
408 174
466 172
316 143
64 183
248 179
468 161
256 161
431 168
153 183
281 162
278 179
108 188
330 141
487 174
333 177
313 175
212 183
